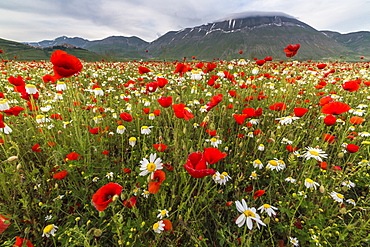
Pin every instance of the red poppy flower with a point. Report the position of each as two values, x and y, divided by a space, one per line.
56 116
291 50
21 242
356 120
181 68
325 100
168 167
290 148
167 225
210 67
268 58
278 107
105 152
155 184
49 78
18 82
196 166
3 225
241 52
335 108
323 165
73 156
146 110
330 120
351 86
130 203
15 110
143 70
36 148
260 62
258 193
165 101
213 155
299 111
95 131
215 100
125 116
64 64
126 170
211 132
321 66
352 148
60 175
105 195
328 138
181 112
151 86
160 147
162 82
157 112
240 118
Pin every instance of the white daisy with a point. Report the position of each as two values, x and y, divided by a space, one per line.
268 209
120 129
349 184
214 142
145 130
290 179
257 164
315 153
351 201
162 213
151 165
49 230
221 178
337 197
286 120
276 164
158 227
294 241
309 183
364 134
248 214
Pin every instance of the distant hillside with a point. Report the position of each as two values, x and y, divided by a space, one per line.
25 52
114 47
256 36
356 41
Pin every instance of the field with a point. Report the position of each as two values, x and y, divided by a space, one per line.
184 153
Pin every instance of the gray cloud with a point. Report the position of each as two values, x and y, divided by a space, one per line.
24 20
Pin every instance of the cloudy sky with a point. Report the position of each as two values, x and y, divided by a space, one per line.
36 20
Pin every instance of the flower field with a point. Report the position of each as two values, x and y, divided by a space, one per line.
184 153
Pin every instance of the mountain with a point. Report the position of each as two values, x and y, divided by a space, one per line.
26 52
115 47
356 41
256 36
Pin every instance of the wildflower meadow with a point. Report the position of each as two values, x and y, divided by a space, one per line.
184 153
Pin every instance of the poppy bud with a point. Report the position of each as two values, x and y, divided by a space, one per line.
97 233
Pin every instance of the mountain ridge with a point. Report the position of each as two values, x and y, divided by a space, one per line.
256 36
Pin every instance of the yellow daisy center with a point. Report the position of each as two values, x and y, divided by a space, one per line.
257 162
151 167
48 228
225 173
222 176
132 139
273 162
308 180
213 139
144 127
163 212
340 196
315 153
155 226
266 206
249 213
